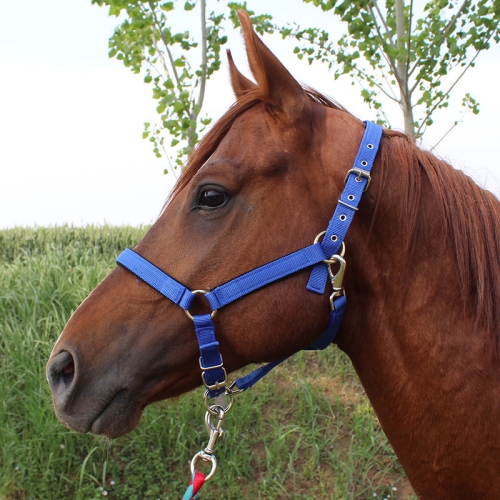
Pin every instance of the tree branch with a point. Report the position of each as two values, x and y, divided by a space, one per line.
162 59
389 37
370 79
408 43
204 49
457 122
379 111
429 113
390 61
165 42
446 32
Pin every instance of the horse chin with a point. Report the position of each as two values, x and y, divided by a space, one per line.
117 418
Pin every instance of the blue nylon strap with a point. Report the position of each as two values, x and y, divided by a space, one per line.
263 275
244 383
210 357
323 342
356 183
332 328
156 278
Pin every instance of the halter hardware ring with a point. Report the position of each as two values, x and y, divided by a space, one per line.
341 253
199 292
215 409
206 458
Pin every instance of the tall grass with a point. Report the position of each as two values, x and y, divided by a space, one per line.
307 431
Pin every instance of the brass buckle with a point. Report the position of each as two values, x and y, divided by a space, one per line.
361 173
217 385
199 292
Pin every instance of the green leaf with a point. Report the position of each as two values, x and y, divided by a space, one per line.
167 6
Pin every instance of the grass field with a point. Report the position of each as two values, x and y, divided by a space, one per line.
306 431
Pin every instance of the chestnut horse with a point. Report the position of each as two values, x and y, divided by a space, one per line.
423 283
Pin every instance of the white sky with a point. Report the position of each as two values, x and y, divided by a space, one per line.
71 120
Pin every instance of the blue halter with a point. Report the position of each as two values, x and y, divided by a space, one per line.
320 256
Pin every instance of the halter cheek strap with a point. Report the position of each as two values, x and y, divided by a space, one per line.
319 256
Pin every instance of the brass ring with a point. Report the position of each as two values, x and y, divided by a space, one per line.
342 251
199 292
319 236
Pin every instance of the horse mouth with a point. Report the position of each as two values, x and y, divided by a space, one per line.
118 417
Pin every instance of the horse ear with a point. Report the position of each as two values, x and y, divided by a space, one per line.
277 86
240 83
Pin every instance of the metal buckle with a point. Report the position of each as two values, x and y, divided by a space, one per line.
335 295
361 173
217 385
206 368
199 292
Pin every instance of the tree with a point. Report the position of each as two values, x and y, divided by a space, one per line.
393 53
414 61
148 45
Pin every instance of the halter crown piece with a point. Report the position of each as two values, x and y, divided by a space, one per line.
320 256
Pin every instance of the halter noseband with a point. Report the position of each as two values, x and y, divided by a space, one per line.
320 256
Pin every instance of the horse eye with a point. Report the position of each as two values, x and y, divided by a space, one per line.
212 198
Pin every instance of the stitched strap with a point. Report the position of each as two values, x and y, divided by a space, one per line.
156 278
264 275
356 182
244 383
332 328
210 357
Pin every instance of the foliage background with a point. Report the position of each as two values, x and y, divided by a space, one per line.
72 119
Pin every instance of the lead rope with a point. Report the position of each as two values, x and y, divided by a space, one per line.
214 417
197 481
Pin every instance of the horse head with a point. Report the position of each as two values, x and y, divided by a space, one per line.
260 185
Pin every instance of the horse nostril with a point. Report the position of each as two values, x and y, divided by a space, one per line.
61 371
69 368
68 373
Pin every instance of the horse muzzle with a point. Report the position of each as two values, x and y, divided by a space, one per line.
107 408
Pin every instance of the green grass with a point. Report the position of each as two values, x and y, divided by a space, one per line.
306 431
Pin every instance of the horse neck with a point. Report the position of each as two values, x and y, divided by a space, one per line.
427 368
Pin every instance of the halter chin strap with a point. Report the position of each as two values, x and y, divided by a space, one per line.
320 256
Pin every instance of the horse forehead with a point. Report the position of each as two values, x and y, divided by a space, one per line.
257 141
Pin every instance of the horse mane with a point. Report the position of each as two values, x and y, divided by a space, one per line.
470 215
470 219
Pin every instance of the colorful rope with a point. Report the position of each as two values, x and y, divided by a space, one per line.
197 481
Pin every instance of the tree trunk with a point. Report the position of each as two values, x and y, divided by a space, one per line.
402 71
